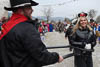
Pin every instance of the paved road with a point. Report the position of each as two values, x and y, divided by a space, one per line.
57 39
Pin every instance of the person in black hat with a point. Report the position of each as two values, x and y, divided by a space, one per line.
20 43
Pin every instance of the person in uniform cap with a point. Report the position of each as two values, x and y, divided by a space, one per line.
20 43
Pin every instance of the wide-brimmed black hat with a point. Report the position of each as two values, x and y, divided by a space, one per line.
20 3
91 20
82 14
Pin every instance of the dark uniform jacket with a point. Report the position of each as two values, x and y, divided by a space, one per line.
22 47
82 37
68 33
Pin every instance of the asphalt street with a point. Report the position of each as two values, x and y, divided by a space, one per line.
58 39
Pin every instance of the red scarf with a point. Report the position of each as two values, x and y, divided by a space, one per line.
15 19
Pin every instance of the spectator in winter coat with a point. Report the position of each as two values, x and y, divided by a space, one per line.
50 27
68 33
83 37
20 42
40 29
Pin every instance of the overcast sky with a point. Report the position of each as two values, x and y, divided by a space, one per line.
69 8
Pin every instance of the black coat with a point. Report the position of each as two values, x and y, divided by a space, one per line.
82 37
68 33
22 47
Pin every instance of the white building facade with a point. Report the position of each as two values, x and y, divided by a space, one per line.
3 13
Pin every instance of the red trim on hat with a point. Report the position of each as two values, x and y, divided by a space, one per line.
81 15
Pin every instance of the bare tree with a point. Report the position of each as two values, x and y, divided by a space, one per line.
47 12
98 19
92 13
